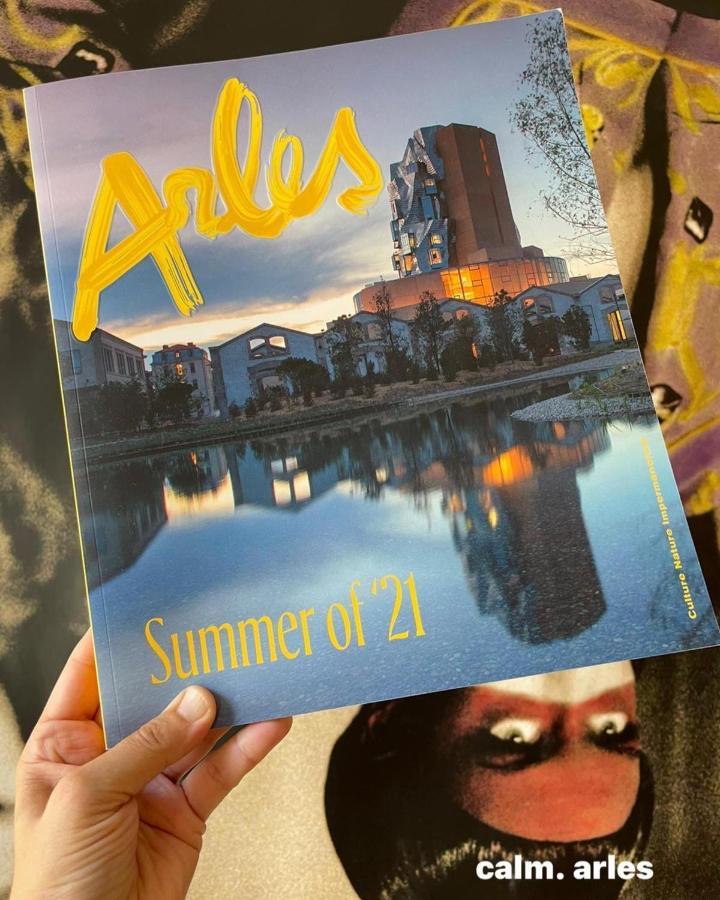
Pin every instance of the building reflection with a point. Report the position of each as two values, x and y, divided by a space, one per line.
508 490
281 475
125 513
197 482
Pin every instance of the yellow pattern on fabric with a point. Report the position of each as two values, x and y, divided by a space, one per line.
674 312
65 38
703 498
617 63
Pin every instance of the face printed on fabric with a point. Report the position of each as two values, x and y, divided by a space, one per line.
549 757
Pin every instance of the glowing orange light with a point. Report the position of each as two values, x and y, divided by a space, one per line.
511 466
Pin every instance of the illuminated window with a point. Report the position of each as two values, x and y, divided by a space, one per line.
411 241
291 463
436 239
435 257
301 487
177 354
281 492
429 182
409 262
179 370
278 341
617 326
276 466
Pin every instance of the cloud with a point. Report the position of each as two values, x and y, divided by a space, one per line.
210 326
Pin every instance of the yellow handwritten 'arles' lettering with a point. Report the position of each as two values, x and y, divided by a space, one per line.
156 224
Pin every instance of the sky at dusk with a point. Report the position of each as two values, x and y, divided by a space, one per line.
308 275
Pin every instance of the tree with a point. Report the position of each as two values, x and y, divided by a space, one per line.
542 337
546 113
305 376
174 400
576 325
502 324
344 338
113 407
369 386
428 329
459 352
396 356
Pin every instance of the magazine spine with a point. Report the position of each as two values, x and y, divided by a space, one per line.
51 257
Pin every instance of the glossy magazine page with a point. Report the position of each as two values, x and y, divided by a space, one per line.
343 424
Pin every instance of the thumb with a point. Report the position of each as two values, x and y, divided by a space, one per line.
126 768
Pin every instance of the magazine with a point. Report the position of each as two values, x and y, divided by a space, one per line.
338 434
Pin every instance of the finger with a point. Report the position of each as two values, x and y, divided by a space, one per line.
178 769
127 767
213 779
68 743
53 748
75 695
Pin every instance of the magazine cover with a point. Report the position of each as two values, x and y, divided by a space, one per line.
338 432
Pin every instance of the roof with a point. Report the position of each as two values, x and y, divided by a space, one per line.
189 346
569 288
468 303
278 328
98 331
175 348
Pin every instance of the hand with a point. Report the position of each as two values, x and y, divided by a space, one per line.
118 824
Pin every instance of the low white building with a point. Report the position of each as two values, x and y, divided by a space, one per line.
246 364
372 346
370 349
102 359
603 299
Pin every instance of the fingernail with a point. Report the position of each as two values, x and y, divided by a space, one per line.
193 704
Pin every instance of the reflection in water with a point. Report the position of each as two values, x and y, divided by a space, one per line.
197 483
507 489
128 510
